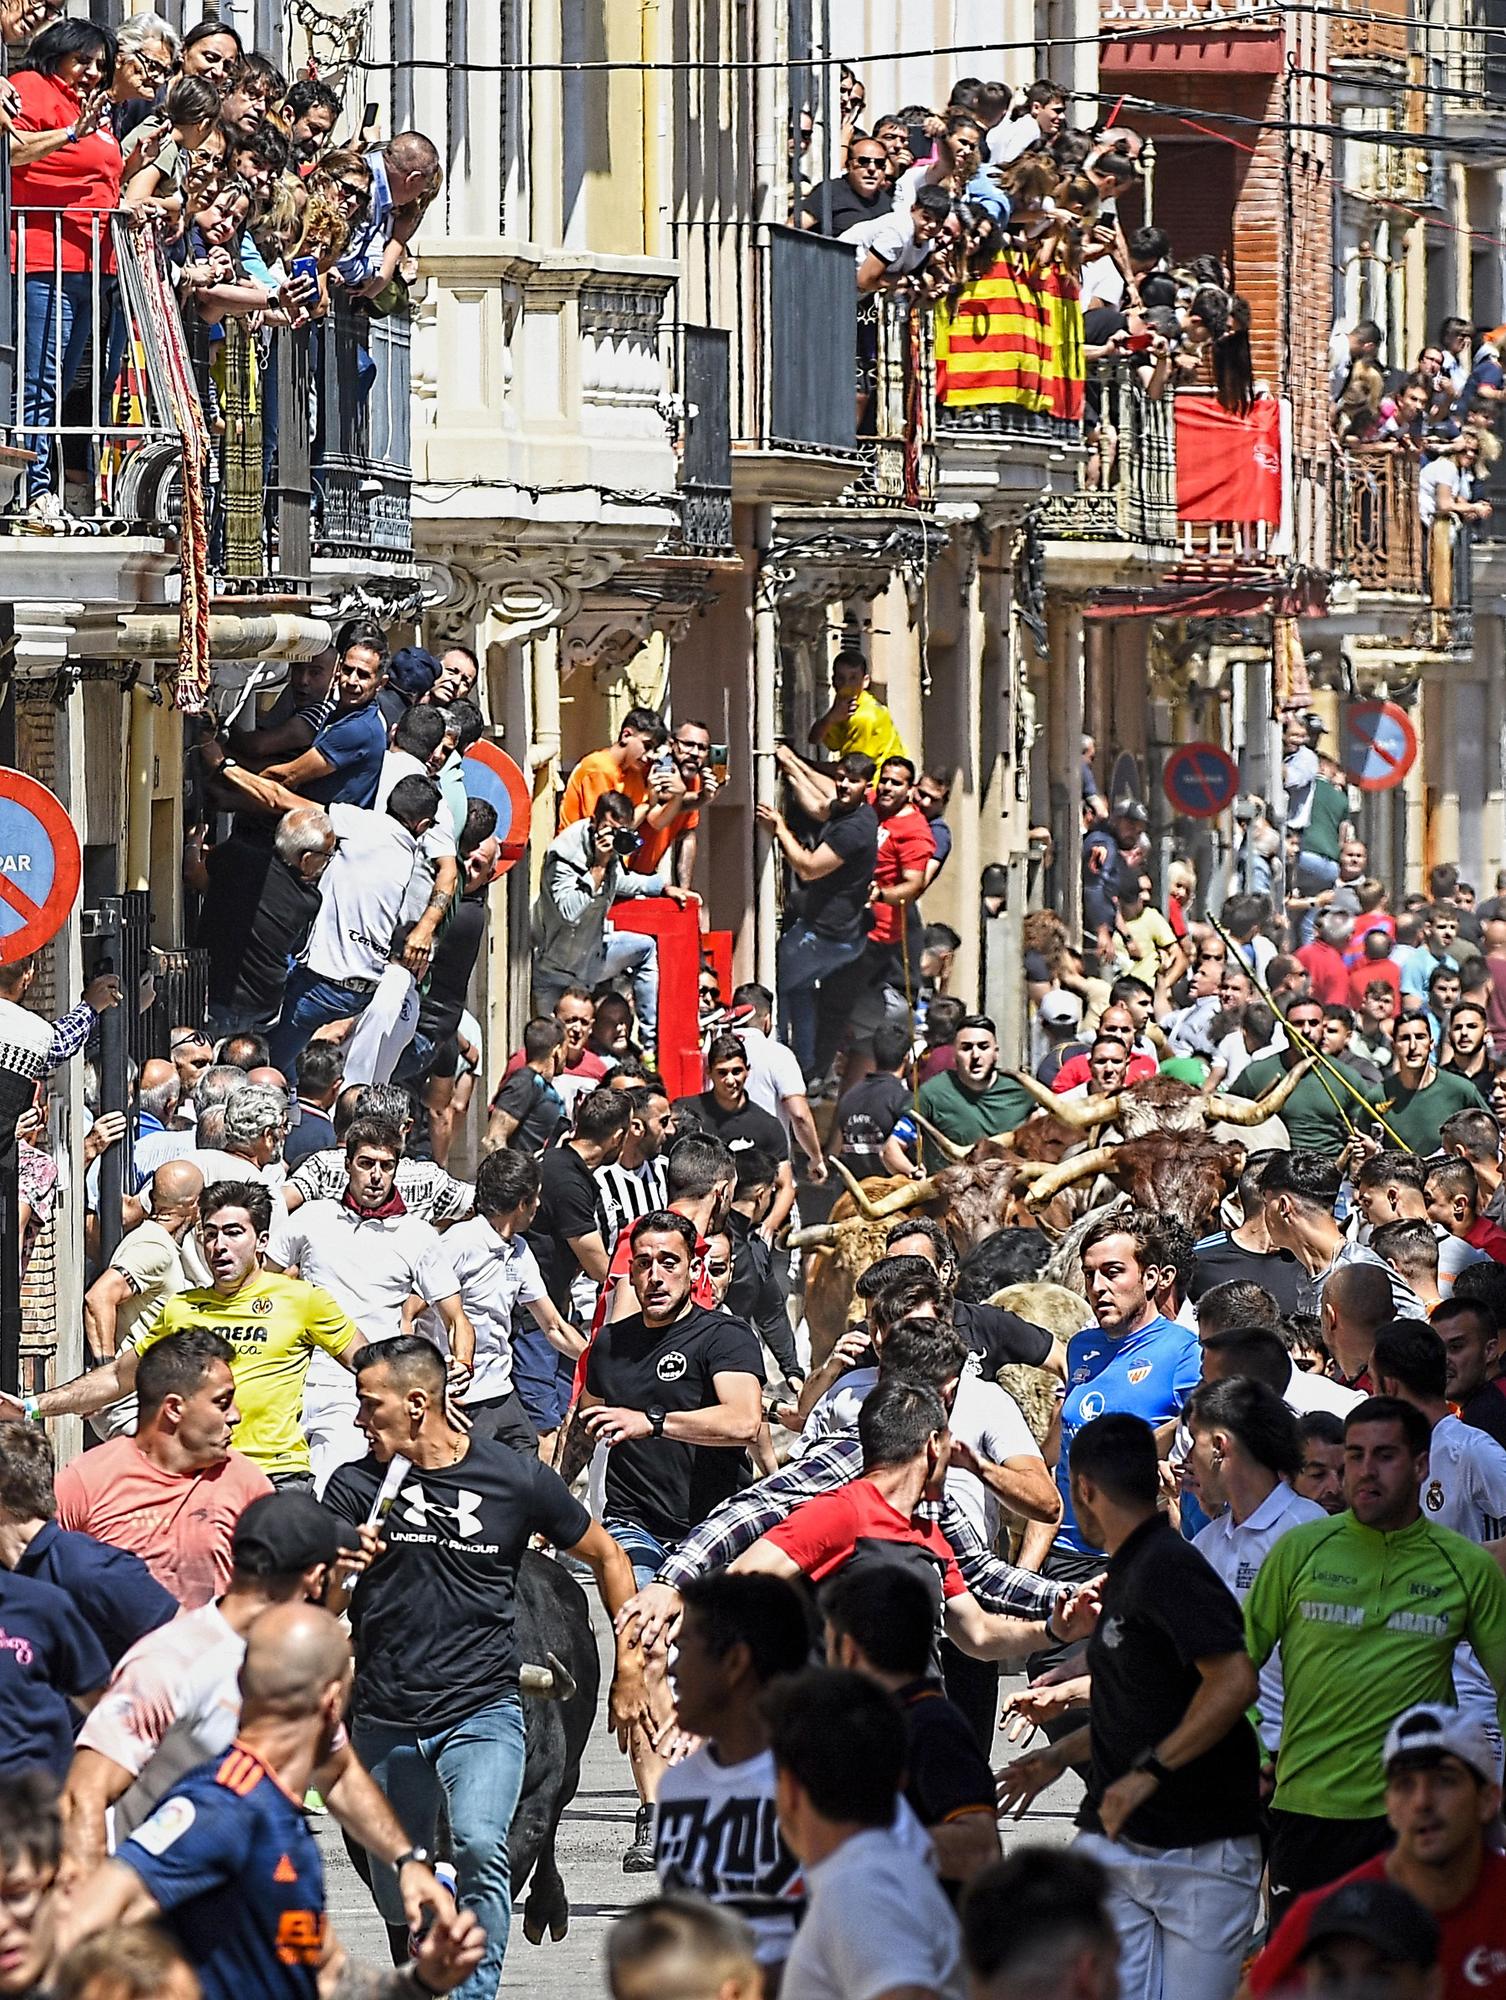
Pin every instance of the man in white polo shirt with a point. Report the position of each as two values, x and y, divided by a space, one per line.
360 900
368 1251
498 1273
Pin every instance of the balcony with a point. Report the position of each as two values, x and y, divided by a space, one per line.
1009 390
1474 54
542 404
248 461
898 440
1125 505
1377 532
794 401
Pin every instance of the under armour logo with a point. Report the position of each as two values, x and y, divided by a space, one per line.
464 1517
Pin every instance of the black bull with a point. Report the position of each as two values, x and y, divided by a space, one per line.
553 1617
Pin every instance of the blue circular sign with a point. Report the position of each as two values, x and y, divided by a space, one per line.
1200 780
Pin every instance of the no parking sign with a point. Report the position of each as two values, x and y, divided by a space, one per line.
40 865
492 775
1377 744
1200 780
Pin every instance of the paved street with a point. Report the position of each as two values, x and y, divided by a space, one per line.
597 1827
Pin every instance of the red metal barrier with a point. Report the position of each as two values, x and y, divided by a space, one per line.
716 947
678 933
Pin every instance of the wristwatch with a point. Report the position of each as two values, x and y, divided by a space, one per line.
656 1417
1151 1764
418 1854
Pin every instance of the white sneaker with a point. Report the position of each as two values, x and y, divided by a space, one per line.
46 511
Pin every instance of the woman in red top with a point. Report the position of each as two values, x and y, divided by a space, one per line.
65 172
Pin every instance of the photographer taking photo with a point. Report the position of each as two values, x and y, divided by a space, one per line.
585 872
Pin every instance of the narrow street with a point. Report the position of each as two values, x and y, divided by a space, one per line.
597 1827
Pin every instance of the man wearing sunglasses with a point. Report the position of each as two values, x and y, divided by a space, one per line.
404 175
862 194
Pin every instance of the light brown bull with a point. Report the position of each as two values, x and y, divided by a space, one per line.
973 1201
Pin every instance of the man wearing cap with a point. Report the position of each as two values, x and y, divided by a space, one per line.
1060 1016
1441 1796
175 1700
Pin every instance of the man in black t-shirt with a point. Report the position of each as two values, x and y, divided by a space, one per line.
436 1711
834 875
861 194
868 1113
528 1111
881 1620
1176 1825
728 1113
995 1337
674 1392
259 906
567 1244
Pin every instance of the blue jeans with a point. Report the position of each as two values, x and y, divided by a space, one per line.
1315 873
632 952
804 960
643 1550
476 1765
58 315
308 1002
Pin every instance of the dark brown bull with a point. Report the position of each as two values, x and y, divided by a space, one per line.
1167 1160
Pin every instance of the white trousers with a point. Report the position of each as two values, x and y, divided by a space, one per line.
1185 1915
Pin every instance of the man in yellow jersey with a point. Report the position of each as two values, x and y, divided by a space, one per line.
274 1323
857 719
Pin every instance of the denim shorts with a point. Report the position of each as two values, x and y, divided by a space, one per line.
541 1375
642 1551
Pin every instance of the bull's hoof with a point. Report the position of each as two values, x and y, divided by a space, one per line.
552 1913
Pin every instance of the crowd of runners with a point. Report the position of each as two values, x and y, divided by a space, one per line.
1218 1466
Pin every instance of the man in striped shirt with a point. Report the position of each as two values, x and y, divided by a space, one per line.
634 1183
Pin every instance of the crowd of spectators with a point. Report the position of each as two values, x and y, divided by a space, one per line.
931 200
1440 416
209 159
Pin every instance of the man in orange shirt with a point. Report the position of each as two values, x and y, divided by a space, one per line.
622 767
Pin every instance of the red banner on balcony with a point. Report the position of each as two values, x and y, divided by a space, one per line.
1228 467
1014 337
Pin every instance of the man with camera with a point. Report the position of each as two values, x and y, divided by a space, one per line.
585 872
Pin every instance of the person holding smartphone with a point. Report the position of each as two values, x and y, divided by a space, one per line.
671 849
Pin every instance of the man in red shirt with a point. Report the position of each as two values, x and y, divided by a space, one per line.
1452 1191
1324 959
1441 1795
902 1427
1375 962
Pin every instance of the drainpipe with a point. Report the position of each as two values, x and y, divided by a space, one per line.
765 730
140 756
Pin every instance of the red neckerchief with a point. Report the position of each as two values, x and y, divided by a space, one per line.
393 1205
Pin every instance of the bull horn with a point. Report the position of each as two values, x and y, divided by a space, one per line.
1067 1173
897 1199
1079 1112
1256 1110
554 1682
814 1238
948 1148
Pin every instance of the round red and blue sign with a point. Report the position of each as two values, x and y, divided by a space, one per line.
1377 744
492 775
1200 780
41 863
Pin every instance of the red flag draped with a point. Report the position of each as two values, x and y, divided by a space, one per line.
1228 467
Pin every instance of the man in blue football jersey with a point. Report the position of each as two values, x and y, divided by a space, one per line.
1135 1361
227 1862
